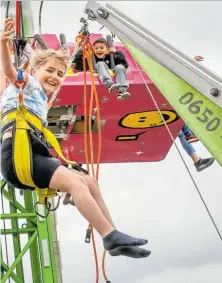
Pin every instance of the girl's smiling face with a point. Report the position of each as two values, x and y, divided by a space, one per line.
50 75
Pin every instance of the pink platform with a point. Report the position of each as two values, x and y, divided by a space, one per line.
153 141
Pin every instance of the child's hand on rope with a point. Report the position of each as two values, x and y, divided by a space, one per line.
198 58
112 49
8 30
73 67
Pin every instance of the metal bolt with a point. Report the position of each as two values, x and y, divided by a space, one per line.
91 15
104 99
102 13
214 91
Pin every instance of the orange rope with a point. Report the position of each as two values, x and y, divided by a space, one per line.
99 140
103 265
88 53
85 115
87 160
90 132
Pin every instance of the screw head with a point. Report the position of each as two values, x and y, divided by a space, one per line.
214 91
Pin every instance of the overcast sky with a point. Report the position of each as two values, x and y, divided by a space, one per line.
157 201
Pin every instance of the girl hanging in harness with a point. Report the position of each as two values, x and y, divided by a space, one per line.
48 68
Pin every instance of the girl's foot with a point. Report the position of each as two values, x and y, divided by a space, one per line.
134 252
117 239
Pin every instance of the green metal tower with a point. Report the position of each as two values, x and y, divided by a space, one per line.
41 249
27 240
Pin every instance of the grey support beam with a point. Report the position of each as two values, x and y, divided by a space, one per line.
199 77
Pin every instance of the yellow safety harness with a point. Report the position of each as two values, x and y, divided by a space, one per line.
26 125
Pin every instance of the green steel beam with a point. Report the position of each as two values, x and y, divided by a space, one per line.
1 257
19 257
15 236
39 232
41 245
34 254
199 112
17 205
12 275
15 231
3 183
55 244
51 250
17 216
54 248
46 248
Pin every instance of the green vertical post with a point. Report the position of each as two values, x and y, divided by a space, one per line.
45 246
54 243
40 241
34 256
1 258
18 259
15 236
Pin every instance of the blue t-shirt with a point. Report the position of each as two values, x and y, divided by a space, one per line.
34 96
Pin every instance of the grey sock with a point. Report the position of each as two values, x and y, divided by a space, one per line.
134 252
116 239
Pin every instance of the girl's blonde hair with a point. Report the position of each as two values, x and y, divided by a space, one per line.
40 57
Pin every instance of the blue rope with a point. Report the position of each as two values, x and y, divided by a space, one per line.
20 76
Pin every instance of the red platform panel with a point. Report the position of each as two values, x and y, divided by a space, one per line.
133 130
51 41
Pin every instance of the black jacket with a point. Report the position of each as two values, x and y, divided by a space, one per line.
119 58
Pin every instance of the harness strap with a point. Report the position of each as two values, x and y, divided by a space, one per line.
35 122
24 122
9 118
22 152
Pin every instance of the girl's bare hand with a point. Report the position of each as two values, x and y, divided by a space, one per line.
8 30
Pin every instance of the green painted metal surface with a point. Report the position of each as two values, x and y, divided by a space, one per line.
202 115
46 252
14 276
38 230
16 236
1 259
34 253
18 216
51 250
19 257
28 20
